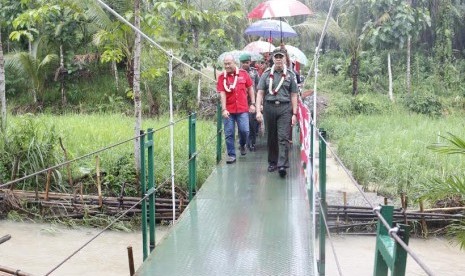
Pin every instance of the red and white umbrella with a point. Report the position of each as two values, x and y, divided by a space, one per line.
259 47
279 8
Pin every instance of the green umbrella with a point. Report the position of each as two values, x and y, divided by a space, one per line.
237 53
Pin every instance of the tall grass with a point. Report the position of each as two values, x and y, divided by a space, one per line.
388 153
83 134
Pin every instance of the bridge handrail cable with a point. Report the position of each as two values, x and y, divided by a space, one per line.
336 259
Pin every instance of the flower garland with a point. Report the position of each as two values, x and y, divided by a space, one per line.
283 76
232 86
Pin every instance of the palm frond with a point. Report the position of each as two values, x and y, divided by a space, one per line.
442 188
313 26
455 145
457 231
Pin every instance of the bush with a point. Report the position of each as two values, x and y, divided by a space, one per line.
27 146
368 104
428 104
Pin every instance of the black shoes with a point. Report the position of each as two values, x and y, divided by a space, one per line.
252 148
282 171
243 152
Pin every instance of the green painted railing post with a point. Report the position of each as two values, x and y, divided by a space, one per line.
151 187
389 254
192 156
219 126
323 208
142 192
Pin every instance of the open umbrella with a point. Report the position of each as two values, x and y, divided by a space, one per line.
279 8
259 47
296 54
270 28
237 53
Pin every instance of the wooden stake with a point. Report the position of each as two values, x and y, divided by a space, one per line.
345 204
99 187
68 168
423 221
47 184
131 261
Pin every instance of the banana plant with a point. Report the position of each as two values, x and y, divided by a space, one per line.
34 66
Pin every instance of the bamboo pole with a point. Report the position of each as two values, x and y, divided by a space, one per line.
13 271
5 238
444 209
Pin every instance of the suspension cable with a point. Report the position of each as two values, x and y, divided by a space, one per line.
336 259
98 234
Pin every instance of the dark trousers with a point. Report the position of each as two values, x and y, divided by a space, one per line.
253 129
278 119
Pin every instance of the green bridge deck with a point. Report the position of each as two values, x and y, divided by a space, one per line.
243 221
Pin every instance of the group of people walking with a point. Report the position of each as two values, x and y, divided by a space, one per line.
249 99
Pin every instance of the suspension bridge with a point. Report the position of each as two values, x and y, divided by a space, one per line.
247 221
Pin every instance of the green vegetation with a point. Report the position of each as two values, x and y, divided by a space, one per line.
388 153
84 134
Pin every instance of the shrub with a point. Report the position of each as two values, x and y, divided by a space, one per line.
28 146
368 104
427 104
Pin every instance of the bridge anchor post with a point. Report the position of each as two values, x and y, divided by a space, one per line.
389 254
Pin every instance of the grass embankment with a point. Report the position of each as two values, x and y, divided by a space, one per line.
388 152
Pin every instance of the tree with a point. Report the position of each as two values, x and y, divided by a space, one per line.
352 20
392 23
137 94
2 87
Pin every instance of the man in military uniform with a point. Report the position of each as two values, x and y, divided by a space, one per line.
246 60
278 90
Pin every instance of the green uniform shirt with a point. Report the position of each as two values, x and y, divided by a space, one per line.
284 94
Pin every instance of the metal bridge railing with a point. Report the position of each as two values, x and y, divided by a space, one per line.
391 242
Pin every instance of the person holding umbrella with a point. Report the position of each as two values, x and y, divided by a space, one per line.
234 85
278 90
246 61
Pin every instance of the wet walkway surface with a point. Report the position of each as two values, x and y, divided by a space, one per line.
244 221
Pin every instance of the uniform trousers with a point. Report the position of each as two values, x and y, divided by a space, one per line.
278 118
